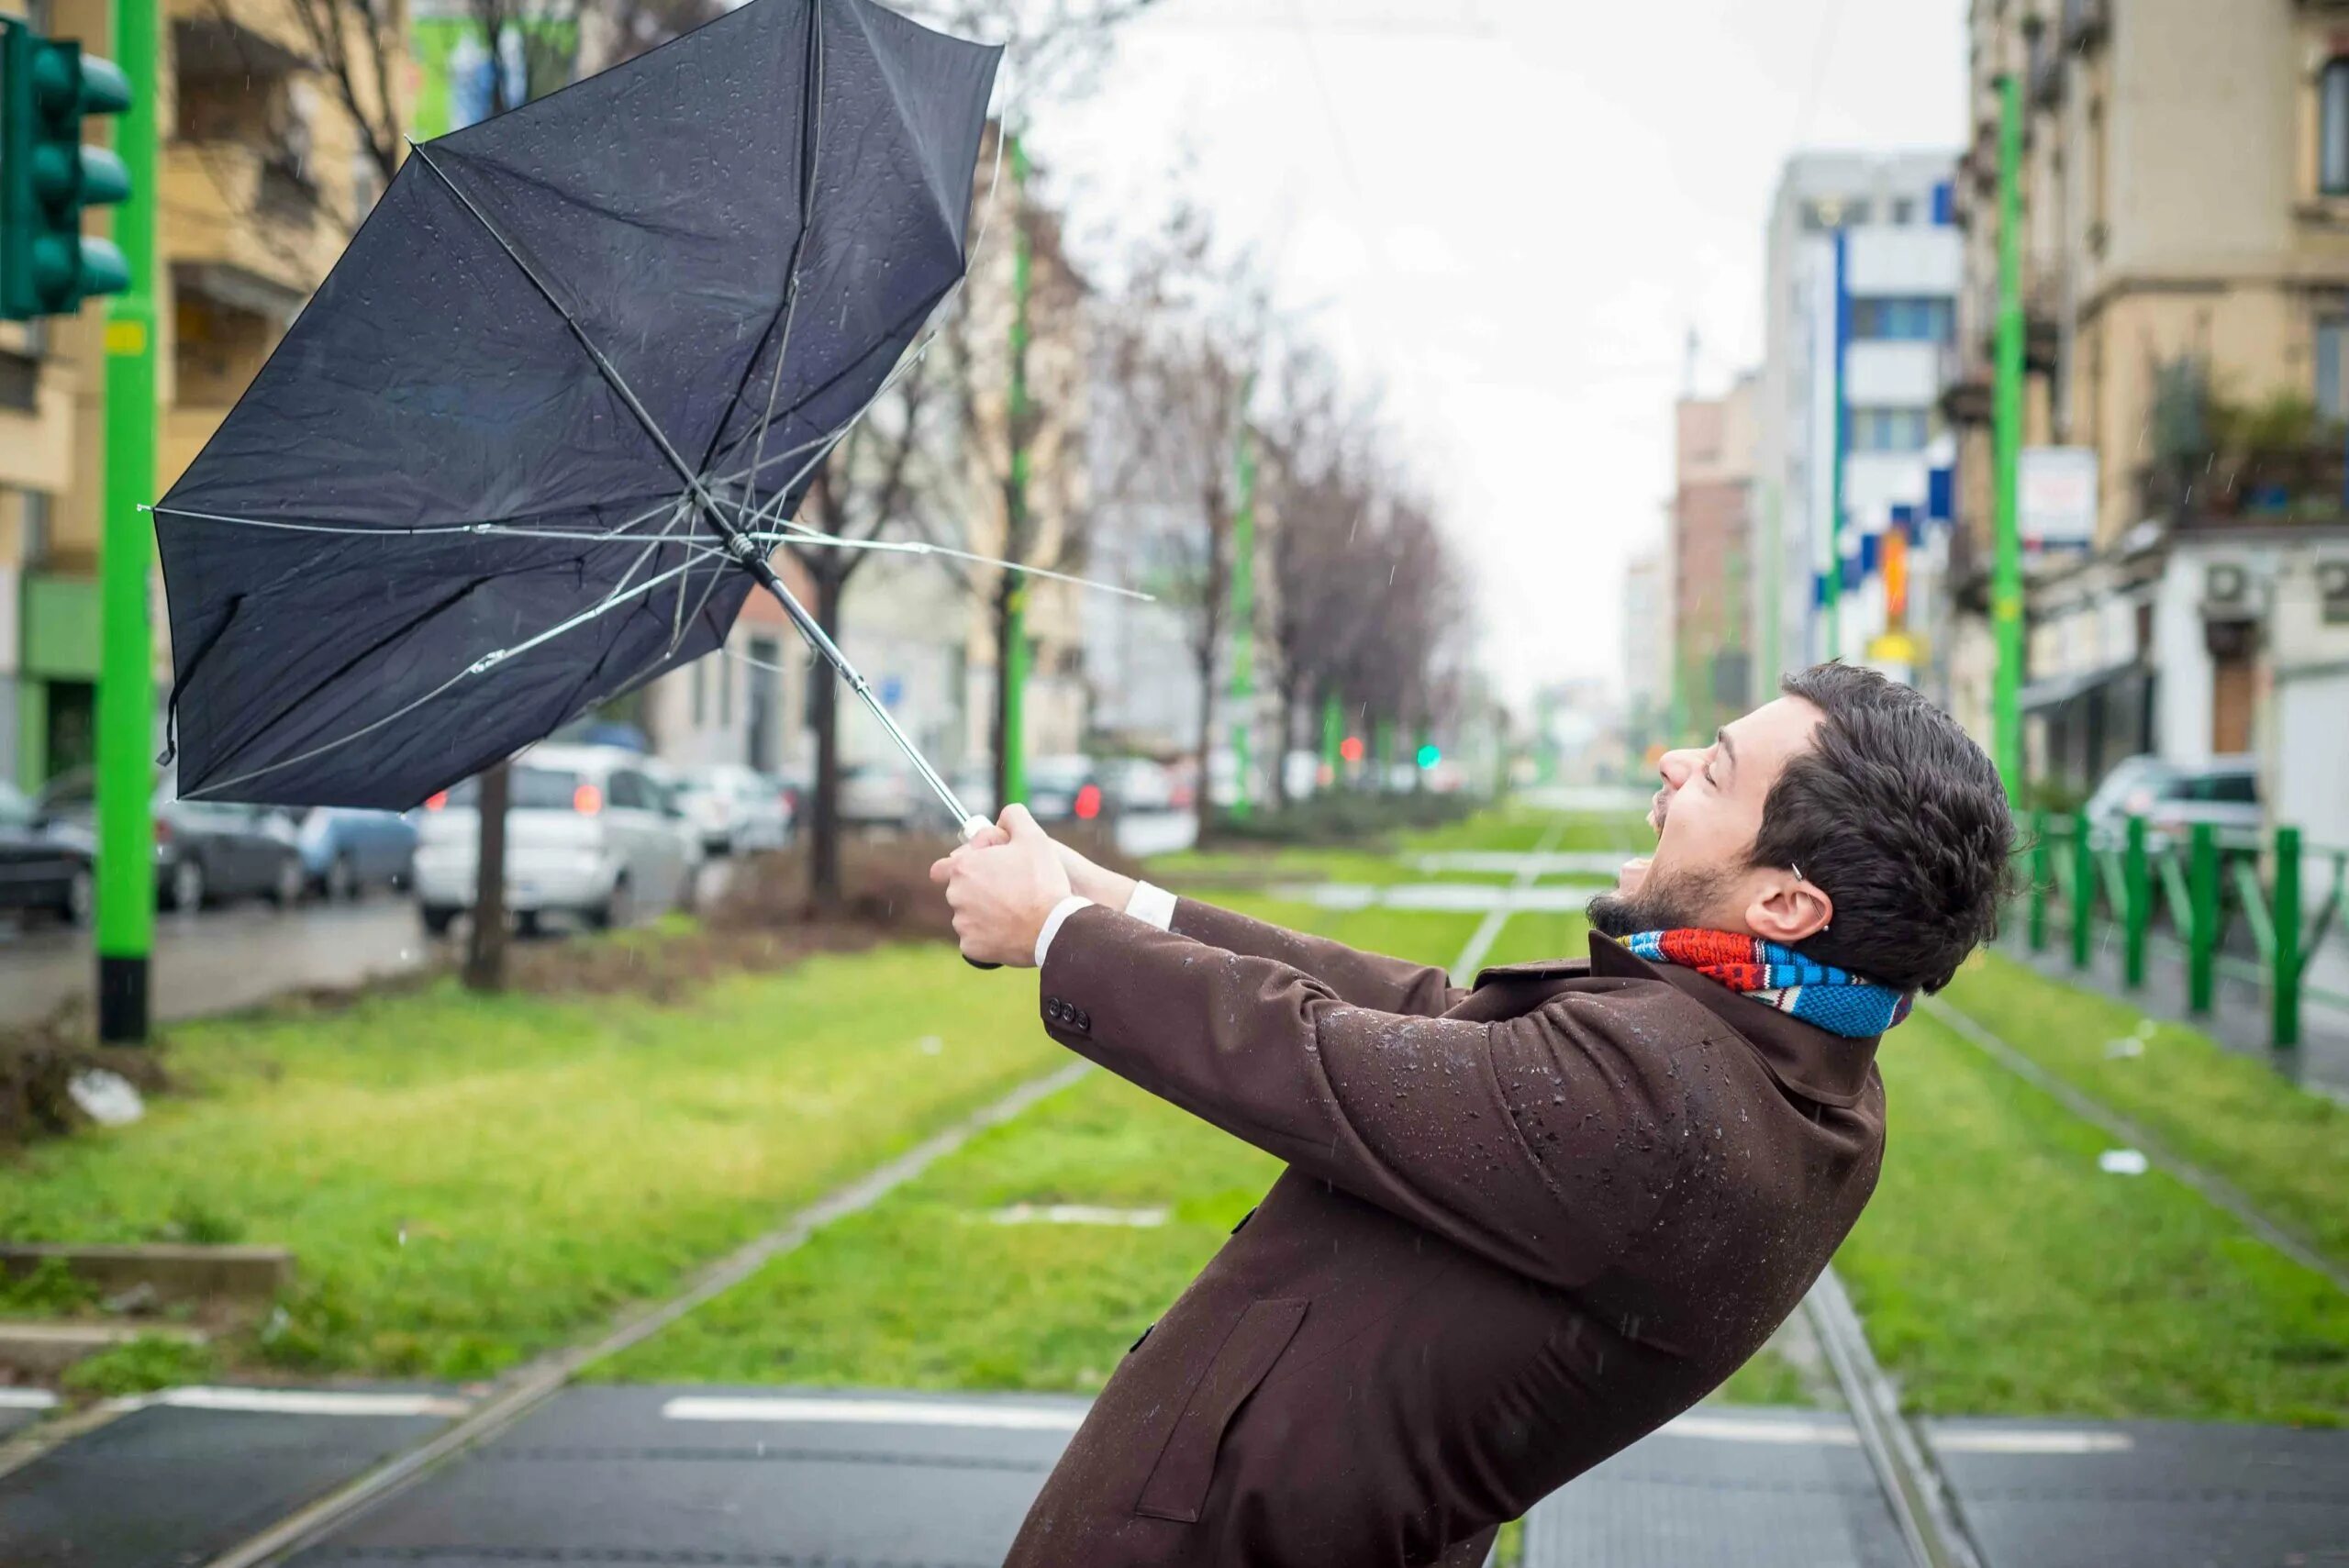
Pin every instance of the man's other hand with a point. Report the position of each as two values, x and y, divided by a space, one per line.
1002 887
1104 887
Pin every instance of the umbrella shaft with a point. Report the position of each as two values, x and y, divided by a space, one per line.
764 570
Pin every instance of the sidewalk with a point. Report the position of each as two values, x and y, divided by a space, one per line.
2239 1021
779 1478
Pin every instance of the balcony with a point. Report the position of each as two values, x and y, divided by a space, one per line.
243 227
1967 389
2255 489
2086 23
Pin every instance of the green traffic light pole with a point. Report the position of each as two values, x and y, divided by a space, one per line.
1243 619
126 904
1333 737
1014 674
2006 435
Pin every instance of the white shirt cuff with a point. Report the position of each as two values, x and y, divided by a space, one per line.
1061 912
1154 905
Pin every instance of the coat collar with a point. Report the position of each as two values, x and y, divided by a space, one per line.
1829 1069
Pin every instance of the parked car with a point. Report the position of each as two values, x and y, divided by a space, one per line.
877 794
343 850
1064 788
43 865
735 808
973 785
591 833
207 851
1138 785
2174 796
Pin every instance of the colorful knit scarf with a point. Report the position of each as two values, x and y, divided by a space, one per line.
1834 1000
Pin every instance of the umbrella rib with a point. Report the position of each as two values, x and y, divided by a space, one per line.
604 365
480 666
744 551
811 150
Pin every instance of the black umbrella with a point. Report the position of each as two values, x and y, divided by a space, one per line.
531 442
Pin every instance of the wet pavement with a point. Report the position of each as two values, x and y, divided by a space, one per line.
220 960
779 1478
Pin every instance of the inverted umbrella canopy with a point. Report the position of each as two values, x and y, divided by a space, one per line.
528 447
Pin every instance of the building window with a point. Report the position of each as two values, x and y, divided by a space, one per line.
1888 429
1903 211
2332 366
1902 320
2333 128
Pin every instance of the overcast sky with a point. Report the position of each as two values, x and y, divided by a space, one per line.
1513 212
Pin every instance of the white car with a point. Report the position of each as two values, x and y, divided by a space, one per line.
735 808
877 794
591 832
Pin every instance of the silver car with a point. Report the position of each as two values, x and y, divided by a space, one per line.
592 832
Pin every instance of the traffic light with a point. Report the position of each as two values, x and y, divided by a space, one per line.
47 177
1429 756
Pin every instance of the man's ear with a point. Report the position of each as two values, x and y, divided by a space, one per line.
1789 910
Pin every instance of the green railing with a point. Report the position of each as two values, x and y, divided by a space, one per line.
2185 895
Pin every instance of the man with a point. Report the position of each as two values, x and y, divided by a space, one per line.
1522 1225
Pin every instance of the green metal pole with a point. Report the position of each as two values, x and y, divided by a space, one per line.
1838 446
1016 662
1772 592
2083 890
2006 589
2136 880
1243 619
2042 869
1333 737
126 891
2202 902
2284 986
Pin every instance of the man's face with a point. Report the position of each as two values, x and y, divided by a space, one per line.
1707 817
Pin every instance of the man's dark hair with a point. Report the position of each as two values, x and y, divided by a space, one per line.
1896 814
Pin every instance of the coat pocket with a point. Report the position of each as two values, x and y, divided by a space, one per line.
1178 1482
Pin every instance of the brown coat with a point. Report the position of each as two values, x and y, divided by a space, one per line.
1522 1226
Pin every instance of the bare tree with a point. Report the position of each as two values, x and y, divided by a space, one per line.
1322 486
877 481
355 44
1181 358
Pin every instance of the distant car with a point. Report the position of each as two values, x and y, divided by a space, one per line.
1138 785
591 833
2174 796
735 808
207 851
876 794
43 865
344 850
973 785
1060 789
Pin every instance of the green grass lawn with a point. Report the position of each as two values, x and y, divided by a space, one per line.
2287 1149
2000 1270
468 1181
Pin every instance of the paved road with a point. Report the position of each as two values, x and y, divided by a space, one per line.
221 960
783 1478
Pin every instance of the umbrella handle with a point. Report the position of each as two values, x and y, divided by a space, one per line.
971 827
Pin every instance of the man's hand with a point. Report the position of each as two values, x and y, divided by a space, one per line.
1001 886
1104 887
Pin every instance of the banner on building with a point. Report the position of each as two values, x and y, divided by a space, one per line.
2055 502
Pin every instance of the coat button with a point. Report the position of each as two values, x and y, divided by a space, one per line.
1082 1020
1055 1009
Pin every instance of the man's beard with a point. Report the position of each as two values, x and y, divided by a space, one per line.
1678 902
